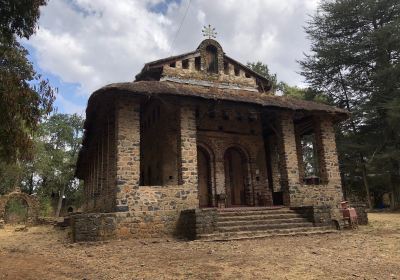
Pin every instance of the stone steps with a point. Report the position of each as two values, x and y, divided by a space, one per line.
242 235
265 226
260 217
232 213
271 221
246 223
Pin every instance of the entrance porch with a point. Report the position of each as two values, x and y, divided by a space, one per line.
215 224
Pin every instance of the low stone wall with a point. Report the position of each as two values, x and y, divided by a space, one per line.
144 212
93 226
319 215
147 224
206 220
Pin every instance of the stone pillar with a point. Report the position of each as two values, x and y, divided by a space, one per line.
288 158
300 156
188 145
192 64
220 173
275 169
128 150
327 153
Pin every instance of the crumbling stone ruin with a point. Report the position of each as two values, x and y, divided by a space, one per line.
198 134
30 201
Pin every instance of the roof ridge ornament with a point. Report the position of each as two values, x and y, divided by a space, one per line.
209 32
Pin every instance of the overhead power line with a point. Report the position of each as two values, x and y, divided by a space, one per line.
180 26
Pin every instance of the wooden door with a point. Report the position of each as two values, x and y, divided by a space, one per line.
235 177
204 172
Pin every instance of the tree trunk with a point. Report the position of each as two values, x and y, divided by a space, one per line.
30 184
364 175
395 182
60 199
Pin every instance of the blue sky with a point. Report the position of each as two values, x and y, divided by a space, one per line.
82 45
68 101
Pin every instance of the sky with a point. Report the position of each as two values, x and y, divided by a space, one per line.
82 45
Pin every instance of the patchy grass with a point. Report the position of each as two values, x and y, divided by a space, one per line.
372 252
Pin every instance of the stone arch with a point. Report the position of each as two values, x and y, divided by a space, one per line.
31 201
211 158
204 48
237 175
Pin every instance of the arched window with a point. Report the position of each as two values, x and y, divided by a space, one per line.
212 59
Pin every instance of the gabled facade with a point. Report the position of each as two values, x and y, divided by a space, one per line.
198 131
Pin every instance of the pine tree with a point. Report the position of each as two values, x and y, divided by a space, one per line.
355 62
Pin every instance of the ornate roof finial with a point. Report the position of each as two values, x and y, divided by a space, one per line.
209 32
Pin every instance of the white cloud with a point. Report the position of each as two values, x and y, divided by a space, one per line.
94 43
69 106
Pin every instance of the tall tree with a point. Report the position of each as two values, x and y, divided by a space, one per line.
24 96
263 70
58 145
355 61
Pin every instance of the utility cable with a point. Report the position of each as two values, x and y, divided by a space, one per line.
180 26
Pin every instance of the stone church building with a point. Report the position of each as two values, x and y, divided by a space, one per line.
199 136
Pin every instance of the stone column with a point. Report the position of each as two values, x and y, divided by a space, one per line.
220 173
288 158
300 156
128 150
188 146
327 153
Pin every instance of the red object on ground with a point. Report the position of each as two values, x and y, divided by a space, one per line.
349 214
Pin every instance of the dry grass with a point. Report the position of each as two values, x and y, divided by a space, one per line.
372 252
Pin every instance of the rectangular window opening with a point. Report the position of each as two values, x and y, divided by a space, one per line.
185 64
237 71
226 68
310 159
197 64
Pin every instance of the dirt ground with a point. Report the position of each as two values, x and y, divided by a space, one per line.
372 252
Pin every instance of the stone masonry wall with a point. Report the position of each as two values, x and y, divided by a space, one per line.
128 150
31 201
104 226
145 211
329 193
223 127
159 150
289 167
188 146
229 74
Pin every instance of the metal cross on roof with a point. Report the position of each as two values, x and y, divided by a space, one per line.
209 32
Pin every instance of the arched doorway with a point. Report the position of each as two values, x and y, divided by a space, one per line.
18 207
204 173
235 176
16 211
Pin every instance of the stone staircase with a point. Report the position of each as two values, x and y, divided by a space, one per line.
249 223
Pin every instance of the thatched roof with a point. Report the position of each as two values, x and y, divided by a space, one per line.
164 88
156 88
